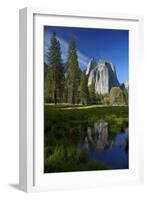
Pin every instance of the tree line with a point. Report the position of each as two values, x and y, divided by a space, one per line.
66 83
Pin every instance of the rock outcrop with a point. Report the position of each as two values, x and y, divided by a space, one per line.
92 63
104 76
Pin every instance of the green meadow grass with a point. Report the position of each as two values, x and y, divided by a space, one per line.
60 114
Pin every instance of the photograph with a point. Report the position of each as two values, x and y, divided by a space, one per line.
86 99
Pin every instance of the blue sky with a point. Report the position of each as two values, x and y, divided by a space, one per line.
110 45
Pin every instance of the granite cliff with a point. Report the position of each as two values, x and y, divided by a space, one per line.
103 74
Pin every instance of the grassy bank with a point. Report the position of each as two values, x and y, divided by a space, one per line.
62 114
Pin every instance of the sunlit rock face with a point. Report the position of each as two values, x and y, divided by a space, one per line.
97 136
92 63
104 76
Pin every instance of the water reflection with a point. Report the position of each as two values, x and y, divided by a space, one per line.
97 136
83 146
101 145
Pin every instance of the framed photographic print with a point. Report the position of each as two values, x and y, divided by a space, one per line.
79 99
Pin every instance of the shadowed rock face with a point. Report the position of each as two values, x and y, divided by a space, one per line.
104 76
92 63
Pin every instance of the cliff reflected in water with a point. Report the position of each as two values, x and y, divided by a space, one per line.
97 137
101 145
86 146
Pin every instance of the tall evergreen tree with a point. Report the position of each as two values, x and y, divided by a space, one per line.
73 74
92 93
84 96
48 86
54 79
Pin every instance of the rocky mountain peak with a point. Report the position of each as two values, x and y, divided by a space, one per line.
104 76
92 63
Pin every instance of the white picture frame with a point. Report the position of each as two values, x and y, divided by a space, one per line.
31 100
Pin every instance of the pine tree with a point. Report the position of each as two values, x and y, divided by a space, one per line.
92 93
60 79
84 95
54 80
48 86
73 74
